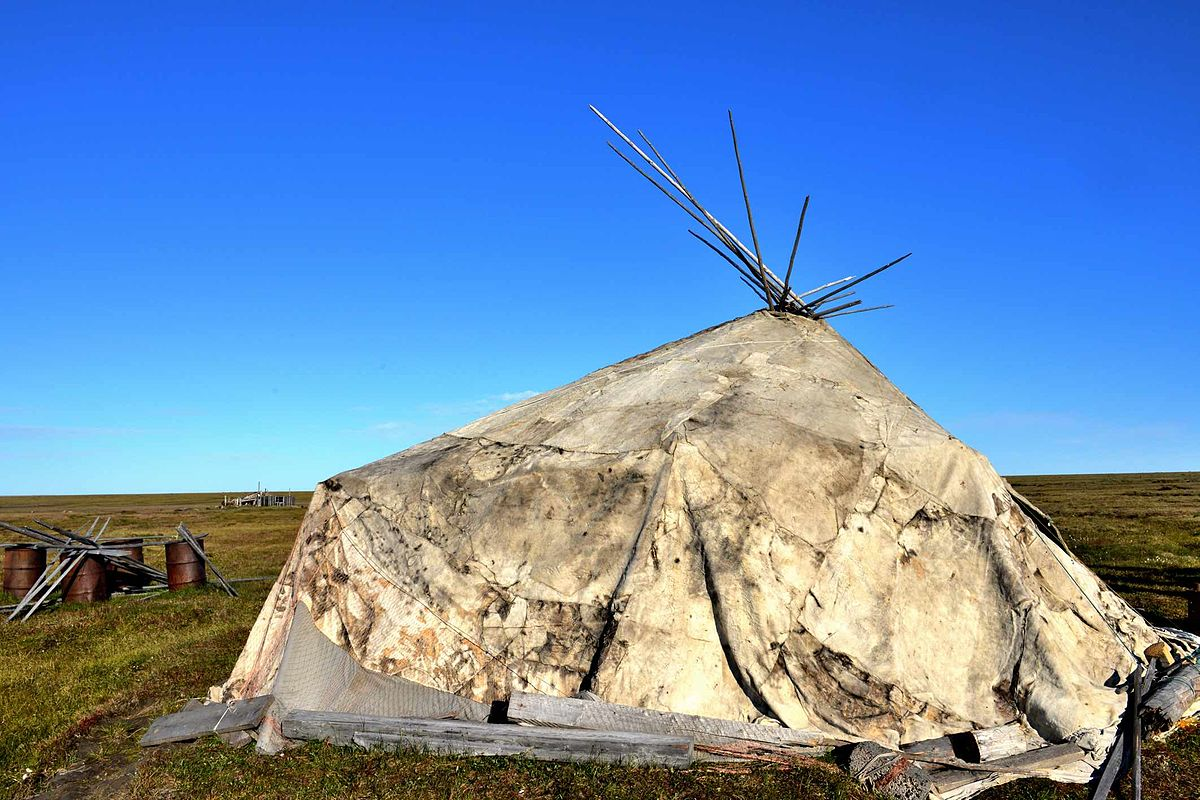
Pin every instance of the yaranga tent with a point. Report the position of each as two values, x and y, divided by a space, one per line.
751 524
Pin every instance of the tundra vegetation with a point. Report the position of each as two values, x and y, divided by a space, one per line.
79 684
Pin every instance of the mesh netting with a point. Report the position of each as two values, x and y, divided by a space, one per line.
316 674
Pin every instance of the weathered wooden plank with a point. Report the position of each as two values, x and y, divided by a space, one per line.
569 712
242 715
481 738
183 726
1043 758
194 721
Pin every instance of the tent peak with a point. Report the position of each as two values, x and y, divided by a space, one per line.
752 268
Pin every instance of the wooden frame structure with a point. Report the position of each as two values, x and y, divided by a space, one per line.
750 265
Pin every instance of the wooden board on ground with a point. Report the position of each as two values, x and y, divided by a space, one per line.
569 712
481 738
194 721
1043 758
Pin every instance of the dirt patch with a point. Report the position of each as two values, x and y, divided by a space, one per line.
102 762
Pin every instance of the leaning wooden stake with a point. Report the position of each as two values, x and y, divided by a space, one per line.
191 540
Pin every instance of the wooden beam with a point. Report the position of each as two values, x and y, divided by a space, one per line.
1028 763
989 744
569 712
481 738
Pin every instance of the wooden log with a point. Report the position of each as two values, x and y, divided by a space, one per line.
1171 700
990 744
985 744
941 747
569 712
1043 758
481 738
194 721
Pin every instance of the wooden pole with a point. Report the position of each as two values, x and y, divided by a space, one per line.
858 311
870 274
720 231
833 298
732 263
749 214
703 223
654 150
1193 604
787 279
836 309
827 285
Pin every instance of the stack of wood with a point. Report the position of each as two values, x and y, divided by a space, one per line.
584 728
951 764
958 765
89 570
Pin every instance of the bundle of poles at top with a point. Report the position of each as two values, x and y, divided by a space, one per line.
752 269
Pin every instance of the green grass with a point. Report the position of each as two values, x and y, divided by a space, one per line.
80 683
1140 533
64 671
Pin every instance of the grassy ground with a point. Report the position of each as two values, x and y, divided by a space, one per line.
78 685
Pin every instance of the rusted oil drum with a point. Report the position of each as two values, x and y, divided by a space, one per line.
22 565
87 582
184 567
119 577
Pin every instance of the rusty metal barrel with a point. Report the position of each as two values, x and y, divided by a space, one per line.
87 581
118 576
23 563
185 568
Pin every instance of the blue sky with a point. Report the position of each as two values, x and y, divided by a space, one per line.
270 242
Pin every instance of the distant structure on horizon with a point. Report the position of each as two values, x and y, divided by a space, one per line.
261 498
